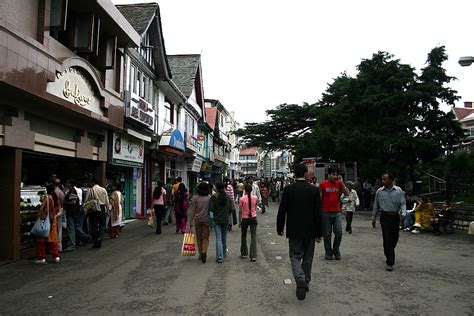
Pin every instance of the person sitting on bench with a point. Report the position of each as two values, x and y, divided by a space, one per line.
423 214
444 218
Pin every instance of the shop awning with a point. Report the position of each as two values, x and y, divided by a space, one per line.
172 142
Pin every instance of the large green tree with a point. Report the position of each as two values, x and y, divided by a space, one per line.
387 116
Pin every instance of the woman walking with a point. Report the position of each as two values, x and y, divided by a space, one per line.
248 218
52 205
200 217
116 216
349 205
221 206
159 199
181 204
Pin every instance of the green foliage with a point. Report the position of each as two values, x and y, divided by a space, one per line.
386 117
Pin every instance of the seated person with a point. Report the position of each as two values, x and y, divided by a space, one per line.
407 218
423 214
443 218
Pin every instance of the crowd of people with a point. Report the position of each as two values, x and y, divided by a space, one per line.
84 212
310 212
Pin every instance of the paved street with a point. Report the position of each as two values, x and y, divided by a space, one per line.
141 273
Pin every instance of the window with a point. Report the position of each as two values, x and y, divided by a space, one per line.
470 131
167 113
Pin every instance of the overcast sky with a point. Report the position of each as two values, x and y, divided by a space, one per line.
257 54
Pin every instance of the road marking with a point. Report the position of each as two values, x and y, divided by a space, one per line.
287 281
272 243
269 233
278 257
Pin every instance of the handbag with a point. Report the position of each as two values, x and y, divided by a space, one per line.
92 205
42 227
151 221
189 245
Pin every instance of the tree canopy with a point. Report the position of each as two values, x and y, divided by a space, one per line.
386 116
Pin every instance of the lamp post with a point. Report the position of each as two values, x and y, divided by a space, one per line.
466 61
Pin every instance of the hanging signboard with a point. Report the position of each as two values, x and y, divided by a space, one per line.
127 150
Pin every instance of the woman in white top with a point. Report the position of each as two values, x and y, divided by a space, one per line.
349 204
116 215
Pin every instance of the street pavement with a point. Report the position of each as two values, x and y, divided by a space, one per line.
142 273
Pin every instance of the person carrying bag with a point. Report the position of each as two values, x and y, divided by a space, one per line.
49 213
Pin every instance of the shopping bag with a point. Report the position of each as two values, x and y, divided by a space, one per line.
42 227
189 245
150 222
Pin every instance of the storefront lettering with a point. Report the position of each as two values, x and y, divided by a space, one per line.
141 115
75 93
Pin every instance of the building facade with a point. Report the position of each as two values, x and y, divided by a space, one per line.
61 72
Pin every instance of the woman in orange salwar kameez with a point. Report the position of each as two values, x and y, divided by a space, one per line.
51 242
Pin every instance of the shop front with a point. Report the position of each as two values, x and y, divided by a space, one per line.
125 169
168 161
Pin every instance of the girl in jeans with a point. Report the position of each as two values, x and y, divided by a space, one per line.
200 217
248 218
221 206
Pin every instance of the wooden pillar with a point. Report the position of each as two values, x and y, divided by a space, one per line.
100 172
10 179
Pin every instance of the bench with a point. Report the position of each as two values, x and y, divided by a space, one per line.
463 213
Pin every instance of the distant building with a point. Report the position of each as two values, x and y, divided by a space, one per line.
465 116
248 162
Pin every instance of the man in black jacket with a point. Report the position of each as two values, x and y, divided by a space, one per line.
301 208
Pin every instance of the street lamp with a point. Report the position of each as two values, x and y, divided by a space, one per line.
466 61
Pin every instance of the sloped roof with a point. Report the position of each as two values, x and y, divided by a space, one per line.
184 71
211 114
248 151
462 112
138 15
468 118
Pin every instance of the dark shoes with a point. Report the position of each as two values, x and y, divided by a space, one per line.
203 257
300 290
328 257
338 257
389 267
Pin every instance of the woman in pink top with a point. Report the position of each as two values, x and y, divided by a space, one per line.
159 198
248 217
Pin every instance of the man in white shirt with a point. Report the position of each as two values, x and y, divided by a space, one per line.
97 219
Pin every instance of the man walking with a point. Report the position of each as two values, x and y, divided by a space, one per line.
389 202
330 191
300 208
97 218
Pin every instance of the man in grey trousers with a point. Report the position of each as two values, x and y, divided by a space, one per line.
300 208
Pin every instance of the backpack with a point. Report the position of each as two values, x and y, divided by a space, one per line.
71 197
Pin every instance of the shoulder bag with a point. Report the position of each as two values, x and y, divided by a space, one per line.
92 205
42 227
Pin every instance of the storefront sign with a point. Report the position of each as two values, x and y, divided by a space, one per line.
173 138
191 143
141 111
194 165
74 86
127 151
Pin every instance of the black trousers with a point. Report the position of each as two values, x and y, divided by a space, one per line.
97 223
390 230
349 216
159 213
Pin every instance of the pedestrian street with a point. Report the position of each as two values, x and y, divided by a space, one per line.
142 273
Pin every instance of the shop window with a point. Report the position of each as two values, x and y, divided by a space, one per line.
58 14
82 39
107 53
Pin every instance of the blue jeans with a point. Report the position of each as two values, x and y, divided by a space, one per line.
221 241
332 223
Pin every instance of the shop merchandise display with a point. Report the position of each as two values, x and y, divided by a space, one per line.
30 202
